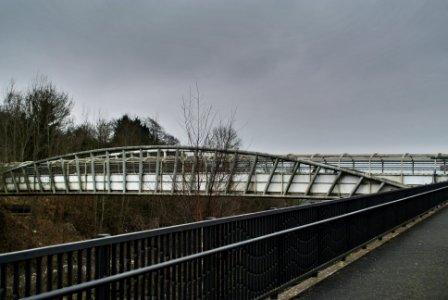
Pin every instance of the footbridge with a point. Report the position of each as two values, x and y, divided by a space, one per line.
172 170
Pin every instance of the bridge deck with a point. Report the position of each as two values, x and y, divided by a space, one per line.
411 266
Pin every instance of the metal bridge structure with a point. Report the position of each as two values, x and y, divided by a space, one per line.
176 170
407 168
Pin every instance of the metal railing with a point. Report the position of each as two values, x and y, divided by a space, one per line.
380 163
241 257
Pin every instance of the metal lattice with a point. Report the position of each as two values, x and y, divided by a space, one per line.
187 170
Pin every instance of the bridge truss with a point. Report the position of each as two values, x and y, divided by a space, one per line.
173 170
408 168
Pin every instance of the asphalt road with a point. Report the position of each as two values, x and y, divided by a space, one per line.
414 265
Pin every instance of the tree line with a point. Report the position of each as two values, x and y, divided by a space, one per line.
37 123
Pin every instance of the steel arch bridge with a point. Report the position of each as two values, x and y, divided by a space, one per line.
176 170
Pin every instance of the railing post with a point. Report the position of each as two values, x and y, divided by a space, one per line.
209 262
102 262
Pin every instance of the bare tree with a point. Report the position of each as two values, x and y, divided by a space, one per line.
33 122
49 113
224 135
103 132
198 119
202 130
15 125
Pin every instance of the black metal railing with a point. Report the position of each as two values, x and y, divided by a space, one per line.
241 257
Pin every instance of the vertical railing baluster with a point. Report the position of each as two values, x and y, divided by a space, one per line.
189 266
233 260
88 270
168 269
179 267
225 254
136 256
176 268
136 286
3 281
16 281
212 260
257 254
60 270
184 266
163 273
172 270
113 270
128 268
38 288
237 262
157 274
49 272
79 265
69 271
196 263
224 262
149 257
122 283
136 280
27 277
206 274
143 264
249 265
102 269
97 262
193 263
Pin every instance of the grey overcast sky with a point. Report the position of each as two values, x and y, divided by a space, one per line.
321 76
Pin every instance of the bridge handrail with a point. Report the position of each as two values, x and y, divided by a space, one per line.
203 254
120 238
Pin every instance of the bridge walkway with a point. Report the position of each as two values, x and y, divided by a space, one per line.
414 265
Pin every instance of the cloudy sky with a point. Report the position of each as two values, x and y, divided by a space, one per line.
304 76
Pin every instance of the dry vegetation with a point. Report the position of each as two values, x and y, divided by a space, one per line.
36 221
